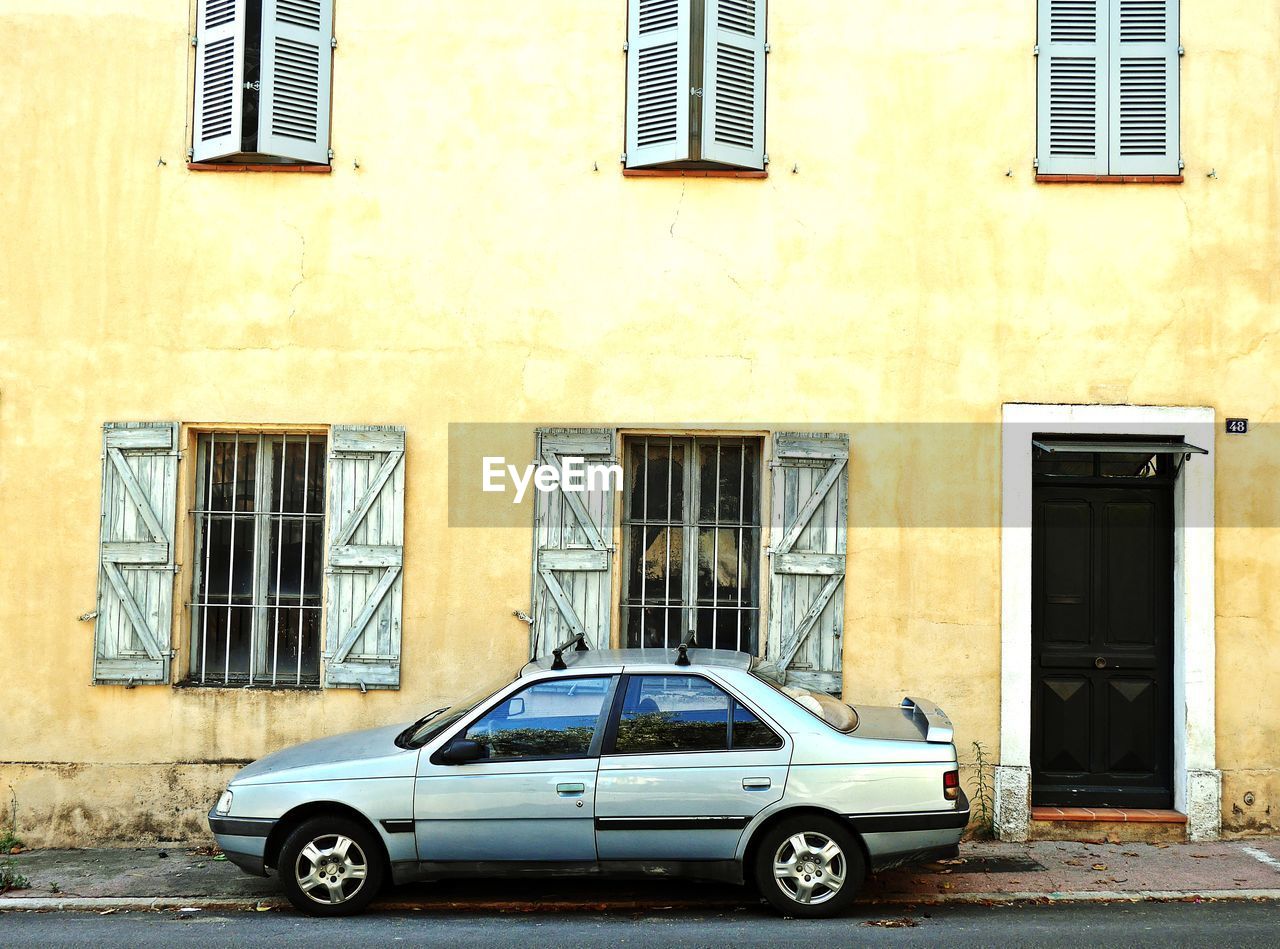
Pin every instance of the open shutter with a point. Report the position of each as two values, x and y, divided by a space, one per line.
807 557
297 66
364 606
135 552
658 86
219 79
733 100
1072 84
1144 87
573 544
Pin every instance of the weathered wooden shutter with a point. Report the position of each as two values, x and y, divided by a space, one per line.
363 608
1144 87
807 557
135 552
219 79
658 86
297 67
733 85
1072 87
573 545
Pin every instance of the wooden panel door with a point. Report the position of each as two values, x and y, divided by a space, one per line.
1102 638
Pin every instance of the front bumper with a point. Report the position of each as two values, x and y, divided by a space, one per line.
243 840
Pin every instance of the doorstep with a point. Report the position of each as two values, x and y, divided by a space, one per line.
1114 824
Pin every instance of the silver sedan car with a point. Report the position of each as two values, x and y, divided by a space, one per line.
695 762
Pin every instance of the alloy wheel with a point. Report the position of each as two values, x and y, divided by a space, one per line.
810 867
331 869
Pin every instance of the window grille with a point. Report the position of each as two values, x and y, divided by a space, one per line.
692 542
259 559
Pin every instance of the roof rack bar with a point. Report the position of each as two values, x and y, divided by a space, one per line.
558 663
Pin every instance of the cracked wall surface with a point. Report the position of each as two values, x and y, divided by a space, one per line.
486 261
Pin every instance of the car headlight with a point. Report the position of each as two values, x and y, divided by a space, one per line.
224 803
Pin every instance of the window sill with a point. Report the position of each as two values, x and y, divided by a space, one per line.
1109 179
278 169
690 173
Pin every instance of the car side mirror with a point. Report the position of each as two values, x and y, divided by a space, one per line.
462 751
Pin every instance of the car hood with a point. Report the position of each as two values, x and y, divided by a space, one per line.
371 753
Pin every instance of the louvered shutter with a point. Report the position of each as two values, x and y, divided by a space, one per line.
807 557
1144 87
135 552
219 102
733 93
363 607
573 545
297 67
658 86
1072 87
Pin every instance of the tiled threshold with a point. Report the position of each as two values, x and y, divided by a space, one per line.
1120 815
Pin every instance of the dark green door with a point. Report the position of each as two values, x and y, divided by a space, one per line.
1102 640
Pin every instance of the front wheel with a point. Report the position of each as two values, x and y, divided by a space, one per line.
331 866
809 866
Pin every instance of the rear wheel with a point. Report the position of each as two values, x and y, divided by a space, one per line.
331 866
809 866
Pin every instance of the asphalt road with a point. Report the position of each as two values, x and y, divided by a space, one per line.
1166 925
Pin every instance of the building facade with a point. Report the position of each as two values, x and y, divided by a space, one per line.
913 334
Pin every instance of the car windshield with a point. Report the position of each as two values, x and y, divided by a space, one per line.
430 725
832 711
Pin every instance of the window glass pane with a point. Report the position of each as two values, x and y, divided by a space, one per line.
727 481
749 732
547 719
672 713
1141 465
657 489
1064 464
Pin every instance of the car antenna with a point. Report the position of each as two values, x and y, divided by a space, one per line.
683 650
558 663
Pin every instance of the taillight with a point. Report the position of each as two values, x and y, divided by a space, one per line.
951 785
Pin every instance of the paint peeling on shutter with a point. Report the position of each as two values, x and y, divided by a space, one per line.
297 67
658 82
219 95
573 545
1072 83
1144 87
807 557
136 557
364 602
734 66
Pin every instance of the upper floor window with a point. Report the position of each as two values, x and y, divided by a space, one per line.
1108 87
695 83
263 70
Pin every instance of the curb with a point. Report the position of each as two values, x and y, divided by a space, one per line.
170 903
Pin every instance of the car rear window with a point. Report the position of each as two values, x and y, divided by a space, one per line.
830 710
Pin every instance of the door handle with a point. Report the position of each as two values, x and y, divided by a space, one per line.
570 790
756 784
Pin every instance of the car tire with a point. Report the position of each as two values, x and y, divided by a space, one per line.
331 866
800 857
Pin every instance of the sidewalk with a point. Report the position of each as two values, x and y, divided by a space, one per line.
175 877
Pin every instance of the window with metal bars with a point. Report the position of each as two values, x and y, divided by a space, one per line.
259 557
691 542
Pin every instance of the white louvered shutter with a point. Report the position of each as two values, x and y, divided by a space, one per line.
733 86
131 633
1072 87
216 127
1144 87
658 86
364 602
573 545
297 68
807 558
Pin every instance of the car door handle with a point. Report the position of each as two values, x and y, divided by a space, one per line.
570 790
756 784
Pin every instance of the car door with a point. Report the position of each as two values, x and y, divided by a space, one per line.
686 766
531 799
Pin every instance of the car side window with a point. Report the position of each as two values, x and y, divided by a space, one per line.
555 718
662 713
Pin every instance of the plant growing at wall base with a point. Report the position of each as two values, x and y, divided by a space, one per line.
11 879
10 840
981 803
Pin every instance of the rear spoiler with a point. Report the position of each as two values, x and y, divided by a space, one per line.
931 720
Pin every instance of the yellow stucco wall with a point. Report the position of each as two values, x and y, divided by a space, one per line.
477 266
